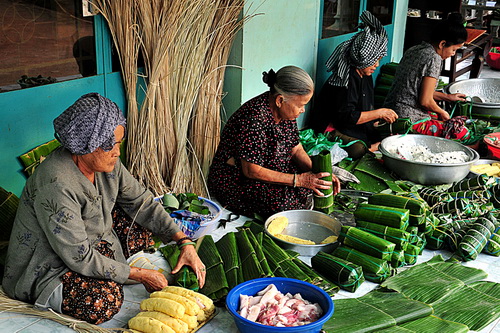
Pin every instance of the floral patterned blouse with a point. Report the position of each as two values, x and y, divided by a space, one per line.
61 219
252 134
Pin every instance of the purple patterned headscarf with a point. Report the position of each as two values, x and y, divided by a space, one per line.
89 124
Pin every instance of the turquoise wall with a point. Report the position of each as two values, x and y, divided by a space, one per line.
27 114
282 32
400 13
27 117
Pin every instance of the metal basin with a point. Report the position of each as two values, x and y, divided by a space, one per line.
486 89
307 224
427 173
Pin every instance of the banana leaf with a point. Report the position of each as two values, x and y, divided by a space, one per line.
389 216
476 238
400 126
397 236
374 269
436 240
480 310
456 237
480 182
458 207
480 196
317 278
322 162
228 250
34 157
433 197
367 183
396 329
185 277
216 286
433 324
256 241
398 259
495 198
417 208
413 231
8 208
366 242
493 245
433 280
343 273
371 174
374 311
280 262
248 257
411 254
254 226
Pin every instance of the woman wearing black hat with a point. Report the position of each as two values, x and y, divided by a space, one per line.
344 107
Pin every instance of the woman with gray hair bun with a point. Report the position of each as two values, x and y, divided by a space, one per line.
344 107
66 251
260 167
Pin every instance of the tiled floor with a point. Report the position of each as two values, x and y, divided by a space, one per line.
222 322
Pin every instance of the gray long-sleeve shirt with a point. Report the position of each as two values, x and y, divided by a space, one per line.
60 219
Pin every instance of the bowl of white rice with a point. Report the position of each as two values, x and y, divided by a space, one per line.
427 160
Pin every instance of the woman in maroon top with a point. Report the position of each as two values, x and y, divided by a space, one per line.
260 166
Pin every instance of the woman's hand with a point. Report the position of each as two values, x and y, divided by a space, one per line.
456 97
189 257
151 279
444 115
314 182
387 115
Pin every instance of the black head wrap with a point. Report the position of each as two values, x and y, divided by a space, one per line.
361 50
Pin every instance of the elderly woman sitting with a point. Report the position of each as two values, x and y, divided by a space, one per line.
260 166
344 107
65 251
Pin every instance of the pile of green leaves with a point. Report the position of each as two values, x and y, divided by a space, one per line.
184 201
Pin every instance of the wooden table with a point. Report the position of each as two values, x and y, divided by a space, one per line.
478 45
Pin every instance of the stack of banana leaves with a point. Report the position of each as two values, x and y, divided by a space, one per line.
241 256
434 296
400 219
346 274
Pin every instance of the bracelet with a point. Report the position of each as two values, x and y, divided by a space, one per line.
187 243
294 180
179 242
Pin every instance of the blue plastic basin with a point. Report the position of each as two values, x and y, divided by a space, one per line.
308 291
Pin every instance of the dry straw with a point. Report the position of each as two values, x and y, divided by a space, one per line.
185 46
8 304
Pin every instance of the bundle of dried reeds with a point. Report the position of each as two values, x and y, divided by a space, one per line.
185 46
206 122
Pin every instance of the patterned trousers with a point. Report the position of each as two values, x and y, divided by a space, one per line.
98 300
